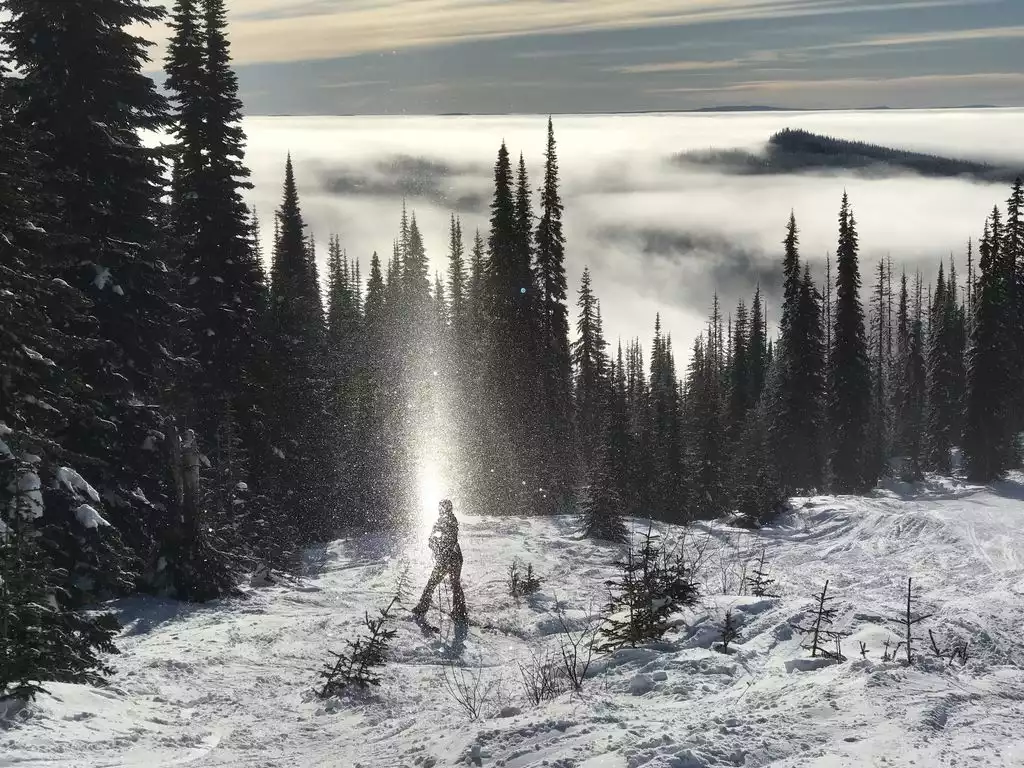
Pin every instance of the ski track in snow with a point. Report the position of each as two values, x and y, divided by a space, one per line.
230 684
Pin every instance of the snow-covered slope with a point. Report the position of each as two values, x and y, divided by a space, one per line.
230 684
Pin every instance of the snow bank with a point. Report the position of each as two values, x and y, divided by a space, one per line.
229 684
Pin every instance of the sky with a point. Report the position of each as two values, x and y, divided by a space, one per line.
322 57
657 235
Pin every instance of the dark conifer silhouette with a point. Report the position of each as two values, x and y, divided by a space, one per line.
849 369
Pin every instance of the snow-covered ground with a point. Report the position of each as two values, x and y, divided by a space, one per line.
230 684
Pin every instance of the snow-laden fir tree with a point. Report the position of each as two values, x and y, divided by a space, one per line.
56 549
653 583
86 118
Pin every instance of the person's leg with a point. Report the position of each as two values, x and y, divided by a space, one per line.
459 613
436 577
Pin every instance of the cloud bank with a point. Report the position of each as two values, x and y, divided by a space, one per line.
657 237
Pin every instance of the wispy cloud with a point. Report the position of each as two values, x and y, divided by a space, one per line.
940 36
678 66
837 50
858 83
269 31
352 84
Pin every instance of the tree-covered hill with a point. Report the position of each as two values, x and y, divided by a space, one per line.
795 151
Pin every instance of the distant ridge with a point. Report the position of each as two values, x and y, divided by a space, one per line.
795 151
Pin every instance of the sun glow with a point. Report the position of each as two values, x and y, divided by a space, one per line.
430 489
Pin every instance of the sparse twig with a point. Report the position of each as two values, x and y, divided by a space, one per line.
759 580
541 676
956 652
467 688
819 631
907 622
577 650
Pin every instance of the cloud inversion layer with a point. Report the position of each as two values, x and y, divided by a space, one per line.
658 237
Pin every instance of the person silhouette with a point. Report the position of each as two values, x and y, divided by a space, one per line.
444 544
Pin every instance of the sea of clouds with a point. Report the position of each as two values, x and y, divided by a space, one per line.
657 236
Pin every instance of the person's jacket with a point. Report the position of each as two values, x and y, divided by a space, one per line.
444 538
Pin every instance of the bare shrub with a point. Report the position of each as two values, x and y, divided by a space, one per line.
955 652
759 580
541 676
577 649
819 631
906 623
469 686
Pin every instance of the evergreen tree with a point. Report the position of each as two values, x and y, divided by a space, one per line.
796 409
880 356
51 529
945 374
511 331
758 353
185 69
345 375
850 373
740 388
302 483
591 371
1013 249
86 116
988 444
705 408
553 314
600 503
662 437
223 279
911 418
457 283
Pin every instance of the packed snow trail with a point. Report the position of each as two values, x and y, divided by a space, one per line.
230 684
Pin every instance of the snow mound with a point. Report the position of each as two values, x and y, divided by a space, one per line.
230 683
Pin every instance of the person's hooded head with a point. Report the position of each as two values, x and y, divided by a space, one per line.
445 508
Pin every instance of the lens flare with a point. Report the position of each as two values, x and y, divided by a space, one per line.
430 489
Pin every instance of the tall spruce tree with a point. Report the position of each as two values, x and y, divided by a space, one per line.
849 368
52 533
591 372
945 375
704 411
988 437
909 384
458 297
345 377
662 436
758 353
1013 248
302 483
880 355
223 280
797 406
86 99
553 332
511 371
